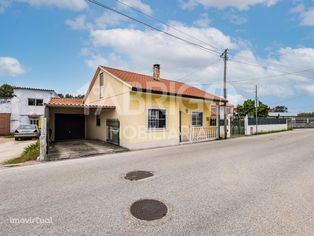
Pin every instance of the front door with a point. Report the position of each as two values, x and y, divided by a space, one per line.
113 131
180 126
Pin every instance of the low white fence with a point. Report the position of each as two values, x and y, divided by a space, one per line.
263 127
301 122
199 134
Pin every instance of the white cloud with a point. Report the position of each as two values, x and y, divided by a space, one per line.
137 4
138 49
104 21
308 89
95 59
10 66
239 4
306 15
79 23
67 4
108 19
236 99
4 4
203 21
75 5
235 18
148 47
298 8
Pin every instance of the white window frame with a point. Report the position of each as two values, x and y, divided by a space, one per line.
101 84
147 118
197 112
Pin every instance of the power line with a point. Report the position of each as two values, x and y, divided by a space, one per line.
267 77
191 36
155 28
277 63
270 77
253 64
168 25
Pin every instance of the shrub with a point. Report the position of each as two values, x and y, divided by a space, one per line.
30 153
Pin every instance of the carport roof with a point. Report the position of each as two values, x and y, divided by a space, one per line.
72 102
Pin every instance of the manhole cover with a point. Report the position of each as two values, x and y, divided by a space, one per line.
137 175
148 209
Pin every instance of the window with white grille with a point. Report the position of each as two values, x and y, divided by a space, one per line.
197 118
156 118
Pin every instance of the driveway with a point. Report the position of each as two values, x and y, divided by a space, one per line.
10 149
81 148
261 185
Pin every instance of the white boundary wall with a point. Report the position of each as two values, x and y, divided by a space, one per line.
251 129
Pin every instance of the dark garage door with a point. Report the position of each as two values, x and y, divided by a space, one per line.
69 126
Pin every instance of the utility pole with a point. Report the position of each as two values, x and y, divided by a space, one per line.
225 57
256 107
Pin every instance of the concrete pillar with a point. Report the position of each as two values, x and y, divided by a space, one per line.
43 140
246 126
229 126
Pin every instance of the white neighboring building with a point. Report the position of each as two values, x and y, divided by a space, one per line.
27 107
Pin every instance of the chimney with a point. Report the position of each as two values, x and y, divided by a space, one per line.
156 71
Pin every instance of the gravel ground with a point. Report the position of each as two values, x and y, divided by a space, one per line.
262 185
10 149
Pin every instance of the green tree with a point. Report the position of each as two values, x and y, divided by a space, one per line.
306 114
280 109
70 95
248 108
6 91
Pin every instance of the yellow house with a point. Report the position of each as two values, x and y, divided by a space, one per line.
135 111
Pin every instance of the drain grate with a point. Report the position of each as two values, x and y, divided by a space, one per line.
148 209
137 175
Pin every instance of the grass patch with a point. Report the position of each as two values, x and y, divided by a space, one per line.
7 136
275 131
30 153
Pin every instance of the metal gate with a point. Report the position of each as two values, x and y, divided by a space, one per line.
237 126
113 131
5 123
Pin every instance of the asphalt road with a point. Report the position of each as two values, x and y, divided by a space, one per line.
262 185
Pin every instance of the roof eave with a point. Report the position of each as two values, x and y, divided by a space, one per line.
36 89
79 106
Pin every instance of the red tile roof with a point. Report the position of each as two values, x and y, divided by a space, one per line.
227 105
66 101
72 102
147 83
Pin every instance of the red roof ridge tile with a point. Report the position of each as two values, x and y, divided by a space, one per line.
139 74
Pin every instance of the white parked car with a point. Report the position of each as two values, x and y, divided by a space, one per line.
26 131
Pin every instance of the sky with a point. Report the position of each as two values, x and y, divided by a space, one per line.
58 44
